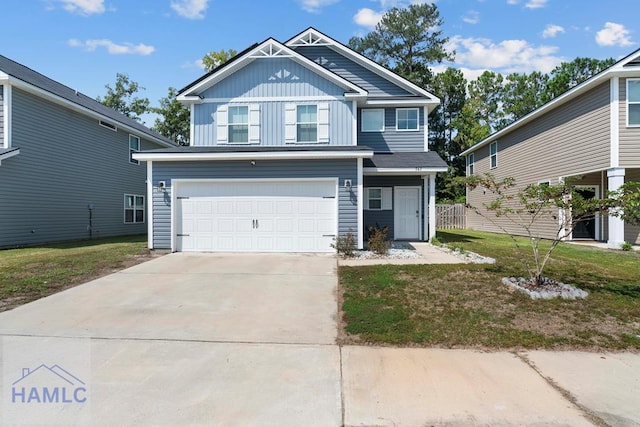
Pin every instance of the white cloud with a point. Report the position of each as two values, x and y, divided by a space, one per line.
190 9
314 6
535 4
508 55
613 35
472 17
83 7
367 17
468 73
513 2
113 48
194 64
552 31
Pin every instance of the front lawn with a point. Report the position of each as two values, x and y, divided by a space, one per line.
467 306
31 273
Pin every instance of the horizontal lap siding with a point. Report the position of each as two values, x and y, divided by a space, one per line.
272 123
391 139
356 73
264 169
385 218
629 136
569 140
66 162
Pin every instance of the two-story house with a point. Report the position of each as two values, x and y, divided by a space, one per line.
293 144
590 135
66 165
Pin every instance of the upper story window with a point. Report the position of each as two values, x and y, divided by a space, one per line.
407 119
307 123
633 102
471 160
372 120
134 147
238 124
493 154
238 128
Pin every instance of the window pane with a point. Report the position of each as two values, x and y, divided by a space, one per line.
375 193
407 119
134 143
471 169
634 90
634 114
372 120
375 204
128 201
494 161
238 133
307 133
139 215
128 215
494 148
139 201
239 115
307 114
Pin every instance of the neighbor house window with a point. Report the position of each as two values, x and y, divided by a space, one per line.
633 102
378 198
372 120
307 123
238 124
133 209
470 163
134 147
493 154
407 119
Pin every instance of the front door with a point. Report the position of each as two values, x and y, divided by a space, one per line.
407 213
586 229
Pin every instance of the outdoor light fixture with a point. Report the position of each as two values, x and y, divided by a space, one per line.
347 184
253 162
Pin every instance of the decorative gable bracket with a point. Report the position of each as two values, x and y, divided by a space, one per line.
270 50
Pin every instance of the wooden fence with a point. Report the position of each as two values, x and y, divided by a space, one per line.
450 216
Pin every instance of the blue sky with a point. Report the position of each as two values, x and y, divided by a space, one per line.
84 43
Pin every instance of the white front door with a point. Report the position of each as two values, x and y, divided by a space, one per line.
407 213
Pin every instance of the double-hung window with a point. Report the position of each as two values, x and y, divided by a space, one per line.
378 198
407 119
471 159
238 128
633 102
134 147
133 209
307 123
493 154
238 124
372 120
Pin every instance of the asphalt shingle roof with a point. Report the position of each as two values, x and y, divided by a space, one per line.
428 159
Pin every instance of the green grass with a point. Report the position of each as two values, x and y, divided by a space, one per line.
30 273
467 306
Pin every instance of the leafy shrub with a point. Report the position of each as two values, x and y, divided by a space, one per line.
378 242
626 246
345 245
436 242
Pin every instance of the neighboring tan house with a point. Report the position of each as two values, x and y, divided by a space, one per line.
590 134
293 144
66 170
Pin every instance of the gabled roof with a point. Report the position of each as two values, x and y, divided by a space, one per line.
25 78
269 48
629 66
313 37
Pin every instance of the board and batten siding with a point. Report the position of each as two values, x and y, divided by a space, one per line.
67 161
392 140
572 139
352 71
629 136
272 122
2 116
263 169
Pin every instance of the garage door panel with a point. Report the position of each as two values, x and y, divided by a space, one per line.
266 217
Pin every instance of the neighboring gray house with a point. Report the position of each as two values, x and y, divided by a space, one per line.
293 144
66 170
590 134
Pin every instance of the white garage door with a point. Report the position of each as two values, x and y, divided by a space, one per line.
279 216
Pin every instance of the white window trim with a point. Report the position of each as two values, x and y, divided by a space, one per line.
386 198
131 151
253 124
108 125
629 125
471 161
417 110
142 208
229 124
322 120
372 110
493 156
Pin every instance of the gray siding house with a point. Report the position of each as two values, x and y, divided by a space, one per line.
293 144
590 134
66 170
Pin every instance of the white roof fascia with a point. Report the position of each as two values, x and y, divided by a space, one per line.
8 155
251 56
80 109
430 104
401 171
616 69
365 62
254 155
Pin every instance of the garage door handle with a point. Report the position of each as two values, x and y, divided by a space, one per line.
183 235
257 224
328 235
